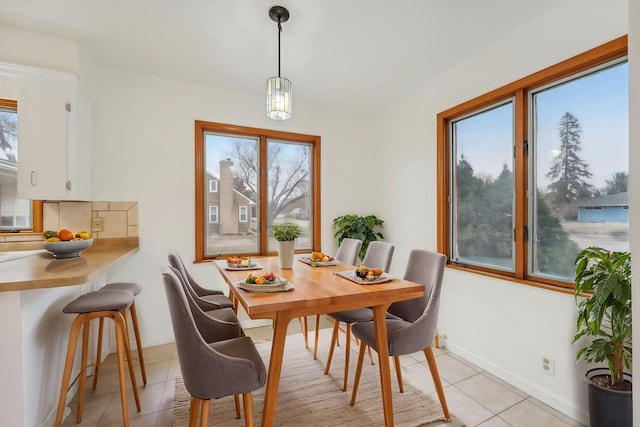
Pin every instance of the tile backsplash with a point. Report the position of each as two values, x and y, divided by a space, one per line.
119 219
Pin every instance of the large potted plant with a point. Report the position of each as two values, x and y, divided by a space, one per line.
364 228
603 294
286 233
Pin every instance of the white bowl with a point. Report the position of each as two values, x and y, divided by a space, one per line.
69 249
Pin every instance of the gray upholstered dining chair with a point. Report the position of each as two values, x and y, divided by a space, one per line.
411 325
378 255
211 370
347 253
213 325
208 299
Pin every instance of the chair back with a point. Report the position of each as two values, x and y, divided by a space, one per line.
176 262
426 268
348 251
208 373
379 255
202 320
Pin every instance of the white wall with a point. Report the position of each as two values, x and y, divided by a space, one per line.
144 151
502 326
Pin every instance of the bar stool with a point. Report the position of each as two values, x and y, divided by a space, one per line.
135 289
99 304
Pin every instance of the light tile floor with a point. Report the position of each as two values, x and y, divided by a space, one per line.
474 396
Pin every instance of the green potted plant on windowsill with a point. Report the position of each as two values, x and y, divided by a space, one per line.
603 295
364 228
286 233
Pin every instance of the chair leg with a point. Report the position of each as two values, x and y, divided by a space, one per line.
334 338
370 355
136 331
247 401
433 368
96 370
83 370
121 345
347 355
396 363
127 348
236 403
204 413
194 411
68 366
356 380
315 346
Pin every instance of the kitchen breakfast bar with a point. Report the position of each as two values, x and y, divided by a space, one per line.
33 290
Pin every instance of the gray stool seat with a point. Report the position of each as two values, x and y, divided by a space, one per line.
134 288
112 300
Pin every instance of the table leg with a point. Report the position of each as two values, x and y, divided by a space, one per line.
280 325
379 314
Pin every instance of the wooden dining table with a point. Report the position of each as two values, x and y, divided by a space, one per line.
317 290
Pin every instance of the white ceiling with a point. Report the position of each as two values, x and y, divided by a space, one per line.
359 53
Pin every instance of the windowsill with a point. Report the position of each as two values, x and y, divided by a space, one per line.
536 284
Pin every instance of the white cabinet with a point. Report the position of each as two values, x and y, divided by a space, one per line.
54 134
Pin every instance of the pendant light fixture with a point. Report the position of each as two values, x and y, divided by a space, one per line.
279 100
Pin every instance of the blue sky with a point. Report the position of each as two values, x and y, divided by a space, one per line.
599 102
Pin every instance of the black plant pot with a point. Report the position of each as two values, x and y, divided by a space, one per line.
608 408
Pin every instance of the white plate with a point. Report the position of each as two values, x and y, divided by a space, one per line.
351 275
267 286
233 267
309 261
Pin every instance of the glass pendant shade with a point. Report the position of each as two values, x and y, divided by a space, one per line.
279 100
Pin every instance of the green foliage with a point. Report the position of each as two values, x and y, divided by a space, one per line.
364 228
605 316
485 227
286 231
568 171
617 184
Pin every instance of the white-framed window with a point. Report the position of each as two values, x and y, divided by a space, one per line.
213 186
242 214
213 214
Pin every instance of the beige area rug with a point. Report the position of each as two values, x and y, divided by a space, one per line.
309 398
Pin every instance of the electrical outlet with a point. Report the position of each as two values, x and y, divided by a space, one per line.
97 224
548 365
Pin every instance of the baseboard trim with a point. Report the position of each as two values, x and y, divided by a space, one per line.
567 408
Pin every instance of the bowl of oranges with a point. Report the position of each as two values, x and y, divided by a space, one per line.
66 244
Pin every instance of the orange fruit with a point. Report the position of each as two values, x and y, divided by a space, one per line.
65 235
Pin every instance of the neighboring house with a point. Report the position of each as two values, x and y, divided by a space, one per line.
611 208
229 211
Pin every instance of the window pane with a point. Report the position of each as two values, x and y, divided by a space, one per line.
580 168
483 188
288 188
15 213
232 162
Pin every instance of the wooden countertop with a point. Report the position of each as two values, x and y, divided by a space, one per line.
43 271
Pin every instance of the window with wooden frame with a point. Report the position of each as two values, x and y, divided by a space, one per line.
521 168
264 177
16 215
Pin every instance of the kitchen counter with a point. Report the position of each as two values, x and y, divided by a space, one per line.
41 270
